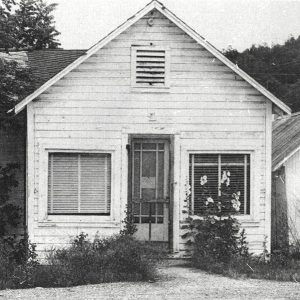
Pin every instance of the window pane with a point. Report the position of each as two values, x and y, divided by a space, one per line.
204 165
212 185
237 181
248 185
79 183
239 167
149 146
149 164
160 181
95 183
136 175
213 166
137 146
232 159
148 179
206 159
63 179
148 194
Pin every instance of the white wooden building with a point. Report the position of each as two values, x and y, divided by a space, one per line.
151 107
286 178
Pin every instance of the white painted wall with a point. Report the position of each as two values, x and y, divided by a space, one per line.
292 180
207 108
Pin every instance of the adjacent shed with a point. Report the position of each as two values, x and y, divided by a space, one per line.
286 179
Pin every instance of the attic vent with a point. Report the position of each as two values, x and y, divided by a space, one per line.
150 67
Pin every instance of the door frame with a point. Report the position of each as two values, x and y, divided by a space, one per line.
170 139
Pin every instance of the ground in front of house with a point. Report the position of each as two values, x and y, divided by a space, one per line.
176 282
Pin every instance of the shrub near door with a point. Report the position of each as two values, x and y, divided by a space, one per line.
215 234
117 258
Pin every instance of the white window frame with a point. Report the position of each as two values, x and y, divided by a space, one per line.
139 88
255 175
44 217
78 154
220 174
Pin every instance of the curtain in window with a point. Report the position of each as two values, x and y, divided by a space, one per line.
79 183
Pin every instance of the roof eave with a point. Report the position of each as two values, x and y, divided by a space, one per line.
20 106
193 34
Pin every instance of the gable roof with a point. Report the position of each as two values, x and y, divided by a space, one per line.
168 14
286 139
44 64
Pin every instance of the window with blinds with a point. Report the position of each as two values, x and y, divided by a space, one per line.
213 166
79 183
149 67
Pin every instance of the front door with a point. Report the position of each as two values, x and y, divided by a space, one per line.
150 188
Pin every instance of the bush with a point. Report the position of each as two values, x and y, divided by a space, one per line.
220 246
294 250
117 258
216 235
9 212
18 264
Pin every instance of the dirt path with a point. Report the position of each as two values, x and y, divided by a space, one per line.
176 282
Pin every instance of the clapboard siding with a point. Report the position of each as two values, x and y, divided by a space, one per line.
206 104
173 97
233 108
175 126
70 82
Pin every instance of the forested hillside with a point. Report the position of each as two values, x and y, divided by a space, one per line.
277 68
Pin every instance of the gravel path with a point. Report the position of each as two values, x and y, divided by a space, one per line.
176 282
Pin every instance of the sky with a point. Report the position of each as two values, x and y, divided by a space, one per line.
235 23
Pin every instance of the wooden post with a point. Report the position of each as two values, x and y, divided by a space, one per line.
150 216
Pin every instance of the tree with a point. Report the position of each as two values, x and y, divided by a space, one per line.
6 25
9 212
15 83
27 24
24 24
276 67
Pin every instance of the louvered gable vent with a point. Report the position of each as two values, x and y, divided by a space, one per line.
149 67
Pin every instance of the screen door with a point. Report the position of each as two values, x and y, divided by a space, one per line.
150 188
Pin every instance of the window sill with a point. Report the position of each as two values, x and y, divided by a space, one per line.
78 219
246 220
56 224
153 89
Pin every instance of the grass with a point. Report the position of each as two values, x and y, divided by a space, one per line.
287 269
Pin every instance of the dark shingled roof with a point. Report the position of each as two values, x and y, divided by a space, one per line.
286 138
44 64
47 63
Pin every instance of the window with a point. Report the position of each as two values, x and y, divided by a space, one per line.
213 166
79 183
150 67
